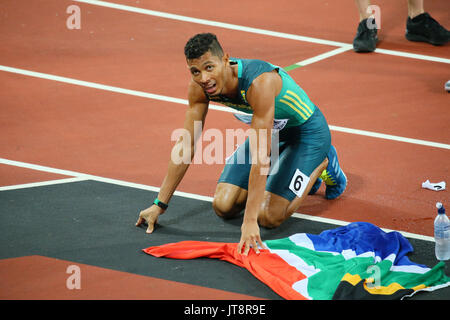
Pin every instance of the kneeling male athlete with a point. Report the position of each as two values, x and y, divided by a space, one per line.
271 98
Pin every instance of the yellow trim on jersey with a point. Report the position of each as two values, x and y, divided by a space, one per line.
298 105
304 104
294 108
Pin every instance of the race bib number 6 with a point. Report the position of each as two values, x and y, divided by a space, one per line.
298 183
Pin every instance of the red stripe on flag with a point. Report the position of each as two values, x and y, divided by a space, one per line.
267 267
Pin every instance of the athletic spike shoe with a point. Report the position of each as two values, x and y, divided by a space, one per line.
333 176
316 186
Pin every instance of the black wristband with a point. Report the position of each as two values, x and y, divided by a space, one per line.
160 204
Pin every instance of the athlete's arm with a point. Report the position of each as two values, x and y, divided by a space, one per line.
261 96
197 110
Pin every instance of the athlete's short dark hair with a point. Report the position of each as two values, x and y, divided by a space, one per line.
201 43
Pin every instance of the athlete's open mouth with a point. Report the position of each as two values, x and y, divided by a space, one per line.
210 88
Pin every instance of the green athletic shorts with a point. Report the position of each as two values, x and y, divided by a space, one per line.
301 149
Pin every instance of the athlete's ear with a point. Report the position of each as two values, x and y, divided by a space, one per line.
226 58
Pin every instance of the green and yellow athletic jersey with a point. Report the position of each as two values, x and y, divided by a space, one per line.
292 105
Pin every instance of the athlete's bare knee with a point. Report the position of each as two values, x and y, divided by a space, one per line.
222 208
228 201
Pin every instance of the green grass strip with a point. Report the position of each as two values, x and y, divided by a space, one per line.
292 67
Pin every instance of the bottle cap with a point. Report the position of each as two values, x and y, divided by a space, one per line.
440 207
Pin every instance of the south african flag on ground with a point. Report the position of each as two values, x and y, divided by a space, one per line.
357 261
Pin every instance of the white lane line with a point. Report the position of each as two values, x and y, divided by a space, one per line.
212 106
324 55
43 168
390 137
91 84
211 23
253 30
412 55
42 183
84 176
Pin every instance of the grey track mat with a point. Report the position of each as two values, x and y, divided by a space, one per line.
94 223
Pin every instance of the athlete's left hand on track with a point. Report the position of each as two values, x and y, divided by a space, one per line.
250 237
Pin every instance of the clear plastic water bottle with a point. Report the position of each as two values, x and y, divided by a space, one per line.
442 234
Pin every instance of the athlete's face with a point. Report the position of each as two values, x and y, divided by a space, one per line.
209 72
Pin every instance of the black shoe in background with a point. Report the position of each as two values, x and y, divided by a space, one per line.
424 28
366 38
